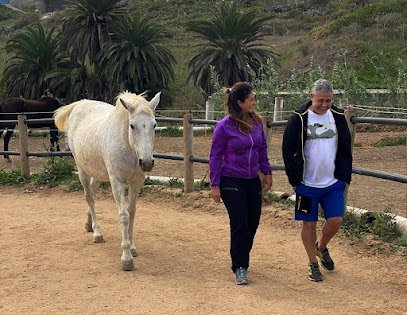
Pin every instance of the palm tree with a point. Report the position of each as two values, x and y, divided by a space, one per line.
86 26
34 53
73 81
231 44
136 59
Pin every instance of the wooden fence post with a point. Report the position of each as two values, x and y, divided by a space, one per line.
350 112
23 138
267 134
209 109
343 102
278 108
188 152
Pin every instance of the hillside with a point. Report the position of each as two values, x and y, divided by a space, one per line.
364 36
301 31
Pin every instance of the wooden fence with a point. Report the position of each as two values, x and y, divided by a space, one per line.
189 159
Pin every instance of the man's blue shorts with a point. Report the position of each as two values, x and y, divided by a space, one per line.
331 199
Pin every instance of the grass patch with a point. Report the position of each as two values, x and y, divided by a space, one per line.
75 185
390 141
201 185
381 225
170 131
271 197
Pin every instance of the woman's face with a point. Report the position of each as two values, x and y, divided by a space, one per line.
248 104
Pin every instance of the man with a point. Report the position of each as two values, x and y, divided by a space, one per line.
318 163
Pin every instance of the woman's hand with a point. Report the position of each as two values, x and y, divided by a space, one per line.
215 194
267 182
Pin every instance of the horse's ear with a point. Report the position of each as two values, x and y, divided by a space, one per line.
124 104
156 99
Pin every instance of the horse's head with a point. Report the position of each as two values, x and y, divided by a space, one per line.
51 101
141 126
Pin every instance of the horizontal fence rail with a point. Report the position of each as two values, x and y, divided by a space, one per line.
188 121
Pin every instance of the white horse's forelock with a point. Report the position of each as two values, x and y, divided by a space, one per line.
135 102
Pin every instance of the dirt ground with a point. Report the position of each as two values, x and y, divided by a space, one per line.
49 264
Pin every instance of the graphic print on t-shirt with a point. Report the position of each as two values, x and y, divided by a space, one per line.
318 131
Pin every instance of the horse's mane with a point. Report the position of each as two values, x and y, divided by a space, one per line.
136 103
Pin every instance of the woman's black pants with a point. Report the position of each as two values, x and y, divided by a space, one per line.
242 198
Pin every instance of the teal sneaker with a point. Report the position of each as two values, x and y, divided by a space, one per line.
241 276
313 272
326 260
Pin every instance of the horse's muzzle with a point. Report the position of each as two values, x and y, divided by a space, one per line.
146 164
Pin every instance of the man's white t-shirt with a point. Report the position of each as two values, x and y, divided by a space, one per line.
320 150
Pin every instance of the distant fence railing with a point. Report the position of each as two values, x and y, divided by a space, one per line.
188 122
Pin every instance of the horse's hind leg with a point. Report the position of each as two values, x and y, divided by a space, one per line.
88 224
92 223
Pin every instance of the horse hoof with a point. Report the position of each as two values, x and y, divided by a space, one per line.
88 227
98 239
127 265
133 252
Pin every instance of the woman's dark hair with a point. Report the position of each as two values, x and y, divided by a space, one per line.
240 91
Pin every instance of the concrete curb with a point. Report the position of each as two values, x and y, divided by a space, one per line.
401 222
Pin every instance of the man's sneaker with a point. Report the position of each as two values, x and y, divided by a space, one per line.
241 276
313 272
325 258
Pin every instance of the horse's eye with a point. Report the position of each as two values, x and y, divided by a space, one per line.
155 125
131 126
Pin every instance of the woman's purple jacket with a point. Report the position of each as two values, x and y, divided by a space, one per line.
236 154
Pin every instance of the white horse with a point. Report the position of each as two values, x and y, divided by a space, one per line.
112 143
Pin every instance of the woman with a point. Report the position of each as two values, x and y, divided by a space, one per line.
238 154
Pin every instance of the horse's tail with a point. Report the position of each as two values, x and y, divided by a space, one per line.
61 116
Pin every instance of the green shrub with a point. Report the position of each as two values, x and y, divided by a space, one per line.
385 228
12 178
75 185
201 185
175 183
355 226
55 171
148 181
381 225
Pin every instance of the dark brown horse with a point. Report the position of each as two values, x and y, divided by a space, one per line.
34 109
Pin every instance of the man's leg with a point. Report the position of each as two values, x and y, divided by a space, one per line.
333 203
309 237
330 228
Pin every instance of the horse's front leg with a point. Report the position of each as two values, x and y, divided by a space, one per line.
7 137
54 139
118 189
134 191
